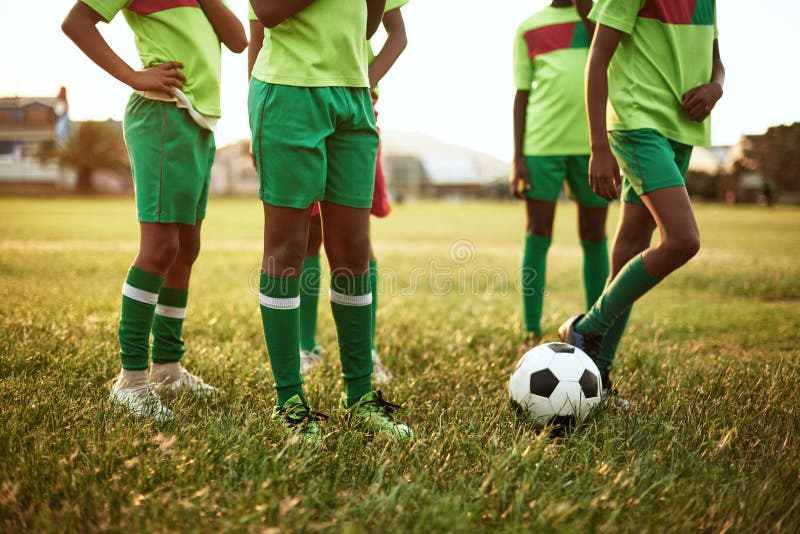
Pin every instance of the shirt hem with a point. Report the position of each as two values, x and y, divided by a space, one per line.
669 133
313 82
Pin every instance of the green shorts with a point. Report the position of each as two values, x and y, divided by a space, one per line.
313 143
171 158
648 161
547 174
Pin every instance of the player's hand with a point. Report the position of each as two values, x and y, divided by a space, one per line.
161 78
604 177
699 102
518 180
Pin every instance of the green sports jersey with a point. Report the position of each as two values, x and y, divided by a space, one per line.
665 51
550 51
174 30
391 5
324 45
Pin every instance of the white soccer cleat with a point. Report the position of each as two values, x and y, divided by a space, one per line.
310 358
380 375
142 401
185 384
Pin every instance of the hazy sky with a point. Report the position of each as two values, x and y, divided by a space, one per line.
454 80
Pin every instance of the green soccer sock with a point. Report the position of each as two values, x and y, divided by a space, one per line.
351 301
608 349
309 301
139 298
373 283
633 281
280 315
595 269
168 325
534 267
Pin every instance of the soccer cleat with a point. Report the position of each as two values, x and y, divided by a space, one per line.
380 375
609 393
298 418
588 343
142 401
310 358
377 414
185 384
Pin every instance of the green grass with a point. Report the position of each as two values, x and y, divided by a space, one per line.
710 363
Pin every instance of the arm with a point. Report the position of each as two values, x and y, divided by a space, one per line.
256 42
80 26
519 181
273 12
604 176
374 15
226 25
584 7
396 41
699 102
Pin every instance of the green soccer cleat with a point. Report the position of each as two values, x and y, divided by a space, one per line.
298 418
377 414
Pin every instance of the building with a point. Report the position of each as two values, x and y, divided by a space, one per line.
27 124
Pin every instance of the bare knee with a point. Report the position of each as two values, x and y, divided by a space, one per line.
349 254
158 256
284 255
682 247
589 231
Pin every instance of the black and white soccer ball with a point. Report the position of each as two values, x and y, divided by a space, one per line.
555 383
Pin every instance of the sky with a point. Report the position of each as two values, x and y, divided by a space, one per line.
454 80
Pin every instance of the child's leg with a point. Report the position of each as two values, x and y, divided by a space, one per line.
539 230
309 286
171 309
158 246
680 240
347 246
373 284
592 231
285 243
633 236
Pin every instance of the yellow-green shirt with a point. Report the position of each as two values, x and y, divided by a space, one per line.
324 45
550 51
174 30
665 51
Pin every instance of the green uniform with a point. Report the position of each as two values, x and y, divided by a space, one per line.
665 51
171 154
314 132
550 51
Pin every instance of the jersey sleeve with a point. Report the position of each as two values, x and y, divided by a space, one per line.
391 5
251 15
107 8
618 14
523 67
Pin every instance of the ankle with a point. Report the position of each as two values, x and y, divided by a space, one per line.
132 378
165 372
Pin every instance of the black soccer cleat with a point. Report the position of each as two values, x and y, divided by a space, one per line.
588 343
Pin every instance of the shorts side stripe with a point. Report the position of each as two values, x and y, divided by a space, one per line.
163 156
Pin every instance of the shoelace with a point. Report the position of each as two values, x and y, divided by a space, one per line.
147 395
388 407
308 417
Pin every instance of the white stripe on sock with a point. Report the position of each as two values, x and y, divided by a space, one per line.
279 303
351 300
172 312
139 294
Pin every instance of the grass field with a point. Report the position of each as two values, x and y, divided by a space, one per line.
710 363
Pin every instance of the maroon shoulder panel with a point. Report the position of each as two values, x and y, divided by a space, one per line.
549 38
148 7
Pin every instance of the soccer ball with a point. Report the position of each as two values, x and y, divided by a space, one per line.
555 384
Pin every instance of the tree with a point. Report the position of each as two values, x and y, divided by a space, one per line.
91 147
776 155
